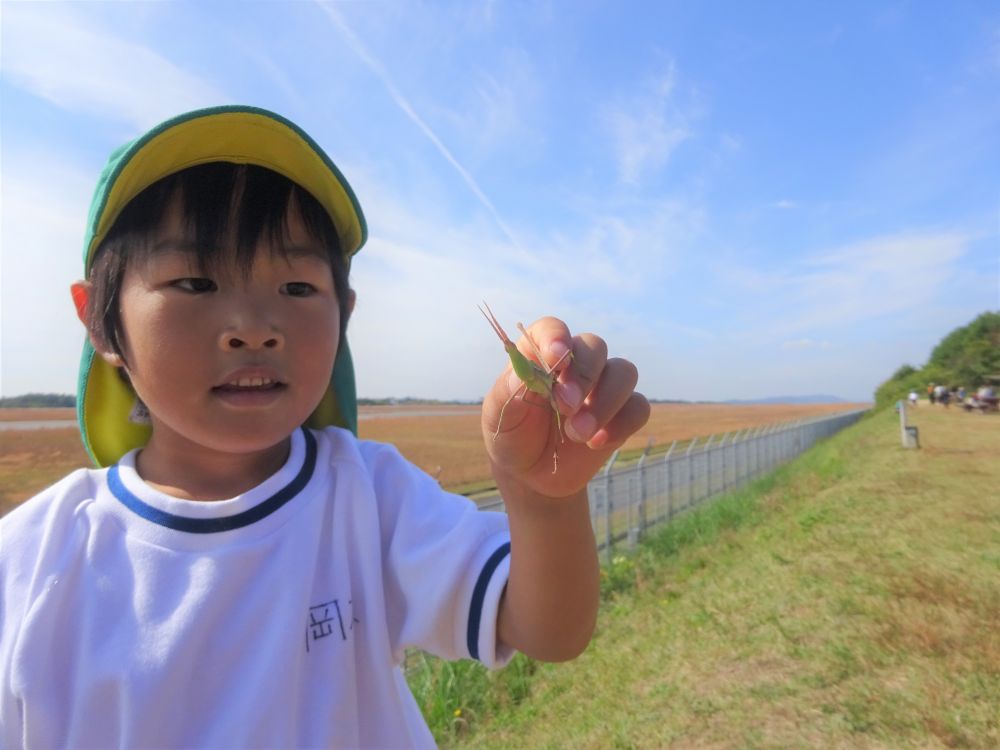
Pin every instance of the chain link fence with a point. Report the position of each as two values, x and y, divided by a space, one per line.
626 499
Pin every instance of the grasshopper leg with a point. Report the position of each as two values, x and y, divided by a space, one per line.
504 407
562 438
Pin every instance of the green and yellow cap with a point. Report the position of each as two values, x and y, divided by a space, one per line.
238 134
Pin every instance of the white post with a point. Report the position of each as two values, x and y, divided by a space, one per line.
908 434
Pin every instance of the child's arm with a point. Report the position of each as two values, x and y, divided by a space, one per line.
550 604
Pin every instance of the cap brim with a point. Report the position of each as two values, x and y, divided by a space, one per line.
241 135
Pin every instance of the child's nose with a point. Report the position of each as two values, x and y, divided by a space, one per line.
251 332
232 341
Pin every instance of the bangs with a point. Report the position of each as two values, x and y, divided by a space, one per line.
226 210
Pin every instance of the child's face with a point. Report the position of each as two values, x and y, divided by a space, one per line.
229 363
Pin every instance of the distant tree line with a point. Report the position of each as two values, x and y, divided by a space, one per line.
968 356
30 400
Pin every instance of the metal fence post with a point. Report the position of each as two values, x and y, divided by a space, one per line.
735 484
668 478
636 529
690 459
708 468
742 466
609 537
724 462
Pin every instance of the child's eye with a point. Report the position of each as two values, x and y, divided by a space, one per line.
298 289
195 285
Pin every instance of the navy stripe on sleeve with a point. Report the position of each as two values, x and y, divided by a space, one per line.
213 525
479 595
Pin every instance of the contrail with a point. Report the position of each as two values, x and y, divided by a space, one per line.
404 104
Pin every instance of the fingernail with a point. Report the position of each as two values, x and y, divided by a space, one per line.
513 381
558 349
581 426
571 394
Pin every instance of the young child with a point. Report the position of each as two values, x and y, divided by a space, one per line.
243 571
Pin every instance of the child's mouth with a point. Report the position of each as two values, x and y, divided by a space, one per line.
249 385
250 392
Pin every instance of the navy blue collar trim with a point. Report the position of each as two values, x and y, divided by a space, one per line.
214 525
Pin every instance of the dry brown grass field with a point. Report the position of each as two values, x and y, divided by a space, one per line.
443 440
25 415
451 447
31 460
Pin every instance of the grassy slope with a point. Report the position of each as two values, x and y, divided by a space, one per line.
852 601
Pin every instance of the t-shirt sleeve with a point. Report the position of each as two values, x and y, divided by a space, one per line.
445 565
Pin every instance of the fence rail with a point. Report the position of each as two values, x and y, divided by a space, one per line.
627 500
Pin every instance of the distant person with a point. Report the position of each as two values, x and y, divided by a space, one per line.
244 571
930 393
987 398
913 398
942 394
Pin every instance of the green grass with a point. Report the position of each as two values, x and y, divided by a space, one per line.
455 696
851 599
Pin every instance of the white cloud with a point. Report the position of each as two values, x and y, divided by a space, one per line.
731 143
404 104
406 294
850 285
647 130
624 251
277 74
799 344
51 51
784 204
504 110
419 270
45 203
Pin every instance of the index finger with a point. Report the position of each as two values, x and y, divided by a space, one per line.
590 355
547 341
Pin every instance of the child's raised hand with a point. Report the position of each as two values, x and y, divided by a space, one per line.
598 406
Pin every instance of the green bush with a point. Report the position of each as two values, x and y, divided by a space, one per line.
967 356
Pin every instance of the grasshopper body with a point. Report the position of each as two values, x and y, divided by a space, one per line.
535 377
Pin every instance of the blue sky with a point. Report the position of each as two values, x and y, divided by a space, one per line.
746 199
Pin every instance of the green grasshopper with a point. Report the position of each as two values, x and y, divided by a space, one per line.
535 377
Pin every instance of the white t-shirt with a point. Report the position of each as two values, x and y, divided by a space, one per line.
279 618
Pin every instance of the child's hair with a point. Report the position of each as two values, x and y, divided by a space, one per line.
228 208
